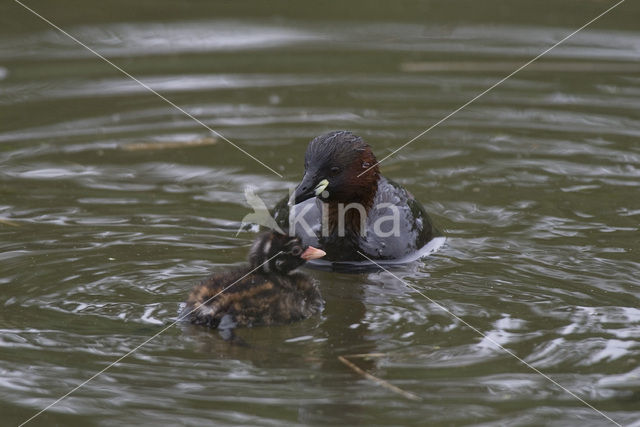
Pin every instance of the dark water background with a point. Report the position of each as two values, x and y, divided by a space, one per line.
108 216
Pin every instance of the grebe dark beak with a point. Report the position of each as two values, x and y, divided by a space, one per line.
312 253
308 188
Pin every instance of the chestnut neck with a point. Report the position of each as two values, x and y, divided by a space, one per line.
360 191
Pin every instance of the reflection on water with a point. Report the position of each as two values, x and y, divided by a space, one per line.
535 185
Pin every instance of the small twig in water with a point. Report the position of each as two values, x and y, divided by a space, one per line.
373 378
166 145
8 222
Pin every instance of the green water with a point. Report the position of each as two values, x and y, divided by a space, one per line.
108 216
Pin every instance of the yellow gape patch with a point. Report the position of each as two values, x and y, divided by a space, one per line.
321 186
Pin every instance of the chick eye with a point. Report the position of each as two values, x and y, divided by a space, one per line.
335 171
296 251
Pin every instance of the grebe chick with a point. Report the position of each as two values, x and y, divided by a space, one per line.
265 291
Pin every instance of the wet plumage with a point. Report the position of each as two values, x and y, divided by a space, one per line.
265 291
395 223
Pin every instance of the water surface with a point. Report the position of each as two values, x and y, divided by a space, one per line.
113 204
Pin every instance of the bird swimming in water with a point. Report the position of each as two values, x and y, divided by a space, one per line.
344 211
265 291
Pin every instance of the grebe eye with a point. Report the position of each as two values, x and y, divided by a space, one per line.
296 251
335 170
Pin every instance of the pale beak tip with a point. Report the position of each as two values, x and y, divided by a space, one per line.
312 253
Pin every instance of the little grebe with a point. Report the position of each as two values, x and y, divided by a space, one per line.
395 225
264 292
